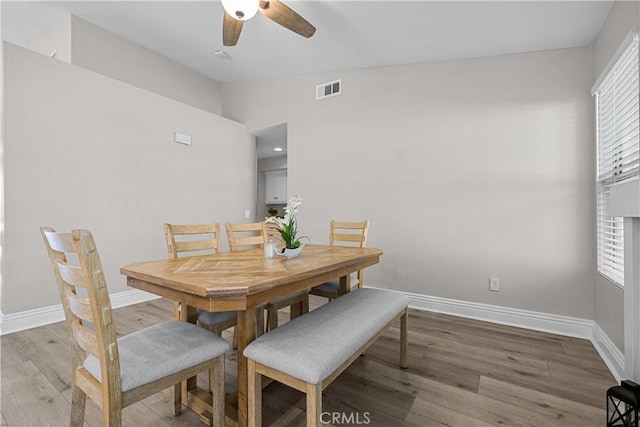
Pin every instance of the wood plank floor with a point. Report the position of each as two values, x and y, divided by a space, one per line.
461 373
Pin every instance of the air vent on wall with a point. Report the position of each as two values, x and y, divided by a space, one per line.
326 90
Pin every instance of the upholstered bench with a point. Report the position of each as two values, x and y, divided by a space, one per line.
309 352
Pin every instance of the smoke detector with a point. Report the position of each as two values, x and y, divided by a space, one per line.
221 54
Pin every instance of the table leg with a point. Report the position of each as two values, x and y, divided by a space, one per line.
246 334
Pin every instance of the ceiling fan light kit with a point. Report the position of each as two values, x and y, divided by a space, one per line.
242 10
238 11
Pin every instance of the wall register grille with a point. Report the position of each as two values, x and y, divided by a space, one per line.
326 90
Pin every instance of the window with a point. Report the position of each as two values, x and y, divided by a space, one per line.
617 99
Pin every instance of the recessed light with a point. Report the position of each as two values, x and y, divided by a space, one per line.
221 54
277 149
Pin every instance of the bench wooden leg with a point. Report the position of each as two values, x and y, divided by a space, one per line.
177 399
254 397
314 405
404 323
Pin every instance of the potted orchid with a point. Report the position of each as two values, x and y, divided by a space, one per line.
288 228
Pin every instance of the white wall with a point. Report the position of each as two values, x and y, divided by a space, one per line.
86 151
624 16
466 169
99 50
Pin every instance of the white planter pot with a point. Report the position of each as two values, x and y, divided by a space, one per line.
289 253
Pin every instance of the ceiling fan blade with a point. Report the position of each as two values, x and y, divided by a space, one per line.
231 29
281 13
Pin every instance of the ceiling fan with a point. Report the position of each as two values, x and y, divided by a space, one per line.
238 11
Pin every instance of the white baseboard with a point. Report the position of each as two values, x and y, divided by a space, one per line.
28 319
610 353
544 322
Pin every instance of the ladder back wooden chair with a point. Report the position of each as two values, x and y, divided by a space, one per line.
117 372
344 234
246 235
200 239
260 234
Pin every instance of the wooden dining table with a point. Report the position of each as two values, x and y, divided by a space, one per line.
241 281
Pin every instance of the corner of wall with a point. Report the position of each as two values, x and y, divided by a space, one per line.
609 352
55 41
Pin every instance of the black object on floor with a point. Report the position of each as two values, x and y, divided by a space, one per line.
623 403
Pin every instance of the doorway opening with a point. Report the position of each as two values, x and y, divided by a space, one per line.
271 150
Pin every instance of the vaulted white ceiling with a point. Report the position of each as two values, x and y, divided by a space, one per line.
350 34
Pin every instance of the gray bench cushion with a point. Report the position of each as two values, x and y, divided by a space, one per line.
161 350
215 317
313 346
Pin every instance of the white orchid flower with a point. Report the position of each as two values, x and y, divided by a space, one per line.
287 225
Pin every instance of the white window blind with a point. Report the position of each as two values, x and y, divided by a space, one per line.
617 105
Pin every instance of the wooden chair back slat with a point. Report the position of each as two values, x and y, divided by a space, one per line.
194 228
80 307
246 226
341 237
237 235
210 240
58 242
240 242
72 274
86 338
196 245
349 225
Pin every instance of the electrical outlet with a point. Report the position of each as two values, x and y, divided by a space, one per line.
247 213
494 284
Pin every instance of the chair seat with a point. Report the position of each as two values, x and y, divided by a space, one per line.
333 286
212 318
159 351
